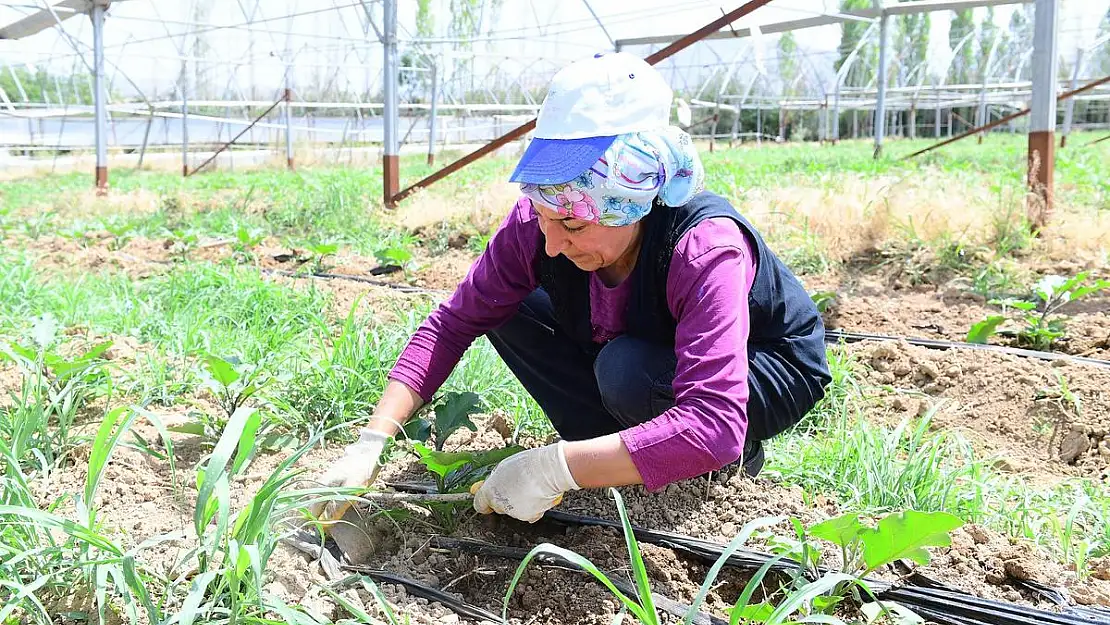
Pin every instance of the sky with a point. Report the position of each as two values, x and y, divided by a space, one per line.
529 40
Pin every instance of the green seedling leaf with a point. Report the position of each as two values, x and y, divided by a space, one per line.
640 612
822 299
905 535
639 569
807 594
217 464
732 547
983 330
324 249
418 429
398 255
441 462
751 613
195 428
841 531
246 442
900 614
191 606
454 413
742 609
223 371
1022 305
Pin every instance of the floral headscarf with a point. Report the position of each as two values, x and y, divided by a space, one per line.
620 188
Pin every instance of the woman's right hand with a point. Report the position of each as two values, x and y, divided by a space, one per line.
357 468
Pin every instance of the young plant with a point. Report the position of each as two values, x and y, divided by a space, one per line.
900 535
320 252
1039 325
180 243
121 233
245 241
232 383
396 256
455 471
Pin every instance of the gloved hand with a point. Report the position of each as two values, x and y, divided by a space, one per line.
527 484
358 467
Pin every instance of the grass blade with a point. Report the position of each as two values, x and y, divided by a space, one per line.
749 589
639 570
732 547
217 464
191 606
807 593
581 562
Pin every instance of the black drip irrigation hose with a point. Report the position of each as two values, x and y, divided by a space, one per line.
946 606
836 336
309 544
404 288
427 592
482 548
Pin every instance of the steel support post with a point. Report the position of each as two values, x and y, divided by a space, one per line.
1069 106
1042 123
391 162
99 98
432 115
184 127
936 117
880 104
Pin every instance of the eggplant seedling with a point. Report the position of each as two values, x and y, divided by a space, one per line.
1039 326
452 471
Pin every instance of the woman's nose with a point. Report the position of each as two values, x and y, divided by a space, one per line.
554 243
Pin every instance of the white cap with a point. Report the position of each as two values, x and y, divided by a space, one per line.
588 104
609 94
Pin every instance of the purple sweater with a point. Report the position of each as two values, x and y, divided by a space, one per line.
710 275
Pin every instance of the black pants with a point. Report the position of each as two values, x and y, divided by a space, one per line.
627 383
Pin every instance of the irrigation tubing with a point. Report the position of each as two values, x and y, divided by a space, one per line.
331 559
834 336
928 598
482 548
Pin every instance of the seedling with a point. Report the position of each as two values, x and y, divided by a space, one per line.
457 471
396 256
245 241
320 252
120 231
181 243
823 300
232 383
1039 327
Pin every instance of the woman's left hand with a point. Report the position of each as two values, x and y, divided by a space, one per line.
527 484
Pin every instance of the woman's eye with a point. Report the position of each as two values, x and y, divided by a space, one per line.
569 229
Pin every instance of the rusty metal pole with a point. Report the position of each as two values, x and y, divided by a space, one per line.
99 98
1042 124
391 160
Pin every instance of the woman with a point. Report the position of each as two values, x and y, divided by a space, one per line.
646 317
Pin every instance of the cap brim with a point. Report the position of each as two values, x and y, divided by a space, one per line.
554 161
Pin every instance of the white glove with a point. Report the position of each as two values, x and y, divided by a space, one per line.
527 484
358 467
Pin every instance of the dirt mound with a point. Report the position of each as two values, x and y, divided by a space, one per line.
1038 417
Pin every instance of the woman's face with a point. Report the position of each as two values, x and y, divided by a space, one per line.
588 245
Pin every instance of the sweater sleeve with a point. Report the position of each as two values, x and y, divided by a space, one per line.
487 297
710 276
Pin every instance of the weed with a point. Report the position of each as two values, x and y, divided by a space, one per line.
320 252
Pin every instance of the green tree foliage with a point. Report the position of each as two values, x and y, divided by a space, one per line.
425 21
911 44
963 24
1020 40
43 87
988 32
850 34
788 62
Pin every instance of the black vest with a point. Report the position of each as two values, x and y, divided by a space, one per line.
784 322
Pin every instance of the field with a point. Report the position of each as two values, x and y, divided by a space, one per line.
181 358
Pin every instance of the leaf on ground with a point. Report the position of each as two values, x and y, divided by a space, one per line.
905 535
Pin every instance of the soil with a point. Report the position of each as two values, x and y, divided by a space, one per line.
143 502
1011 407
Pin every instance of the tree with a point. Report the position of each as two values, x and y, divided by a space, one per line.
1020 40
788 72
851 32
963 24
988 31
912 43
44 87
